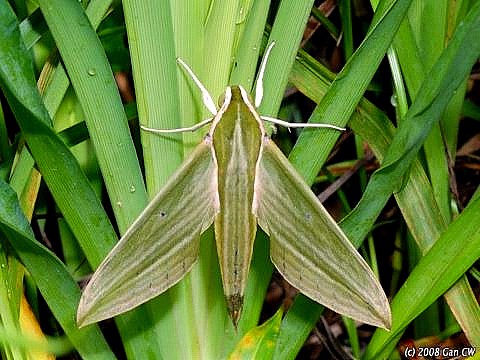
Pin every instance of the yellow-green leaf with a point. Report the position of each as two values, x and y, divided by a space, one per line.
259 343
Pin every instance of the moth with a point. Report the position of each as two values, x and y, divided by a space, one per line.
236 178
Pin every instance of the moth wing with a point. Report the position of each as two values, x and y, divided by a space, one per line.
160 247
307 246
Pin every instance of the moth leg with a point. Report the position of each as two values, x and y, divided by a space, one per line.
299 125
178 130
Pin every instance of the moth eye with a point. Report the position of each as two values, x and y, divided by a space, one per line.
163 214
221 100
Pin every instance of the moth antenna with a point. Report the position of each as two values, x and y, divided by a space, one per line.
299 125
206 98
259 85
178 130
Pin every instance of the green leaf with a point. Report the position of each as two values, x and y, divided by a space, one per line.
56 163
63 176
347 89
287 31
153 66
259 343
458 248
91 75
57 286
447 74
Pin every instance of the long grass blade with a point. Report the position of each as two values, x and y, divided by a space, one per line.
63 176
346 91
89 72
449 71
458 248
58 288
287 31
440 145
205 315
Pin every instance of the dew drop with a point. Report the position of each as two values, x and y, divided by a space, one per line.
241 16
92 72
132 189
393 101
119 204
4 266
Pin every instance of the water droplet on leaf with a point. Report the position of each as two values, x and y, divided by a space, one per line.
393 101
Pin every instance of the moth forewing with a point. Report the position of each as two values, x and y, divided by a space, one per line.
307 246
162 244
